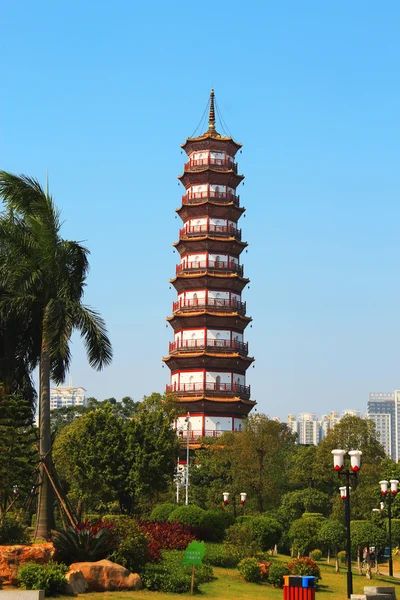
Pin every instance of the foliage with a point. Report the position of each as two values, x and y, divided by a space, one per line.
215 523
332 534
267 532
12 529
169 536
86 542
242 541
188 515
342 557
249 569
316 555
161 512
294 504
50 577
135 547
367 533
220 555
395 531
104 458
303 533
171 576
305 566
18 456
277 571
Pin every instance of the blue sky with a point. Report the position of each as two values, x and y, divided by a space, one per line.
103 93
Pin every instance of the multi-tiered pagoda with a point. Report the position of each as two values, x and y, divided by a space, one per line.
209 357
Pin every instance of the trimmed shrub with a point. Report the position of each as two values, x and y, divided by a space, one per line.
86 542
188 515
241 540
316 555
166 578
250 570
50 577
13 530
305 566
342 557
161 512
267 532
276 573
215 523
220 555
168 536
135 548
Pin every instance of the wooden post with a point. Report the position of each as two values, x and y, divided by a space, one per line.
192 584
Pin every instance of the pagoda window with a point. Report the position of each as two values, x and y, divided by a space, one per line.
218 426
217 261
218 382
195 299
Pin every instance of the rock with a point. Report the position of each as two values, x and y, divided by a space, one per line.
105 575
12 557
77 583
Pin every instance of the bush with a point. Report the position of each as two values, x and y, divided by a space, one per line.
13 530
135 548
50 577
241 541
215 523
166 578
250 570
305 566
86 542
276 573
168 536
342 557
161 512
267 532
316 555
188 515
220 555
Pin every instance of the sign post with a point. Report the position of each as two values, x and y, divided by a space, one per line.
194 556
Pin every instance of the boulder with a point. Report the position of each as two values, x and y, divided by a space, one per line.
105 575
12 557
77 583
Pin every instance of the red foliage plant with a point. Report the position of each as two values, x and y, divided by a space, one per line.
305 566
94 527
168 536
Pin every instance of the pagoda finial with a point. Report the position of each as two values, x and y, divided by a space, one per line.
211 118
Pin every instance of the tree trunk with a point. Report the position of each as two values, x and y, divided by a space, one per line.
45 509
335 550
328 558
368 573
358 561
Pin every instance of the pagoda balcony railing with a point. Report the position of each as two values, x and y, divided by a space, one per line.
198 197
214 163
215 389
212 265
212 345
194 434
224 230
212 304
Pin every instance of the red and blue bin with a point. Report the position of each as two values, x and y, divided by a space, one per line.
297 587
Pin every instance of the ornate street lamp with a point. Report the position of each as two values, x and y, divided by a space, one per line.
355 465
389 495
243 498
225 496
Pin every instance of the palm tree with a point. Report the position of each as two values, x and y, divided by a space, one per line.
42 278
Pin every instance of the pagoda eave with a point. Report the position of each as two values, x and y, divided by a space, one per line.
205 318
207 175
231 360
233 281
233 405
229 210
219 245
211 141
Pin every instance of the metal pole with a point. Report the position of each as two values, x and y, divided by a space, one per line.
187 460
348 549
390 533
177 481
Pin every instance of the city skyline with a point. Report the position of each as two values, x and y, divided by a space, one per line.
315 105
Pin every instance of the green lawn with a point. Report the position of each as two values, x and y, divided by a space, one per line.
229 586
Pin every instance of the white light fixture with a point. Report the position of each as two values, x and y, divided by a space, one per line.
338 459
225 496
355 460
243 497
382 505
342 491
394 484
384 486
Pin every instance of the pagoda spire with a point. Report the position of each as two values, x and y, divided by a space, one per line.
211 117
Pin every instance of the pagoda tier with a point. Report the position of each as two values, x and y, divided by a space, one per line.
208 357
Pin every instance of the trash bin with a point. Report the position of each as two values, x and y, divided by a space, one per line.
298 588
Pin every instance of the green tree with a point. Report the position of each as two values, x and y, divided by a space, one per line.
332 535
304 533
18 456
43 277
301 468
295 504
366 534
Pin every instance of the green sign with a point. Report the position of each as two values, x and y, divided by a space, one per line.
194 553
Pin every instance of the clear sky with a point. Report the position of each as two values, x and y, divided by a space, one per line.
103 93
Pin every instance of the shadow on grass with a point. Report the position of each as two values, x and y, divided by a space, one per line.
323 588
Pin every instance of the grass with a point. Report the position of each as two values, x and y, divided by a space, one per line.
229 586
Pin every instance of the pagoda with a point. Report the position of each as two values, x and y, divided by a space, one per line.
208 357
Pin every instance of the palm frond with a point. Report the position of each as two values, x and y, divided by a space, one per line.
94 333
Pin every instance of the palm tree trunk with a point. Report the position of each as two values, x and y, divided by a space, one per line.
45 509
328 558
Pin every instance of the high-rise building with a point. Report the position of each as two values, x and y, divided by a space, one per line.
209 357
64 396
311 428
383 410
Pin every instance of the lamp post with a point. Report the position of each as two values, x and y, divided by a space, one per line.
338 465
389 494
243 498
187 421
